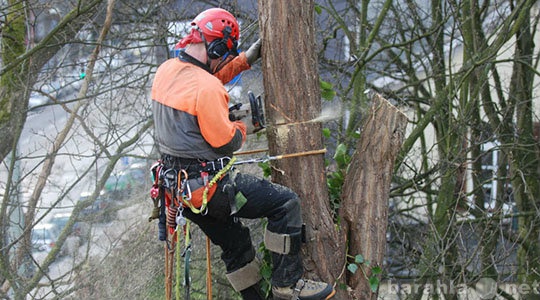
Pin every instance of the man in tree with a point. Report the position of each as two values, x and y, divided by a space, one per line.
196 138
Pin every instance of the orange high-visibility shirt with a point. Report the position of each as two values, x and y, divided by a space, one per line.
191 110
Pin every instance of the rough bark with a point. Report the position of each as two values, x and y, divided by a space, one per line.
292 99
367 188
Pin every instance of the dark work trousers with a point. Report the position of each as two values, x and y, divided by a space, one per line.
279 204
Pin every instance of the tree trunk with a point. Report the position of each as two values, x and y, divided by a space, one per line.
367 188
524 162
292 99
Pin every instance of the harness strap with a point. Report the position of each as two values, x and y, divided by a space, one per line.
297 289
217 176
195 166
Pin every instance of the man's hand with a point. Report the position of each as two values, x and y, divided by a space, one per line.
237 112
243 115
250 129
254 52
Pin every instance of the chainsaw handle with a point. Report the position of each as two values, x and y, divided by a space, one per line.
257 113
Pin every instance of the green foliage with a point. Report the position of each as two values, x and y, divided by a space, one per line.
327 90
267 170
359 263
326 132
342 158
336 179
318 9
266 270
12 43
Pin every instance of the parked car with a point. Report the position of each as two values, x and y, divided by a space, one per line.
44 236
76 237
60 220
101 210
122 184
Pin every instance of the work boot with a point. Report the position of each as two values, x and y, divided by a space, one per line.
304 289
252 293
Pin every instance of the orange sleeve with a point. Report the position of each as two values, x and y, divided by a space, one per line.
242 127
213 116
235 67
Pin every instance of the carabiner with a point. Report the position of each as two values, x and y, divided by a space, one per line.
180 185
183 185
187 196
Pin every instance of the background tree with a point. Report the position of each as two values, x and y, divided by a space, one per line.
84 137
91 70
446 63
463 72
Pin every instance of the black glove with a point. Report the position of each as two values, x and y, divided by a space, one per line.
237 113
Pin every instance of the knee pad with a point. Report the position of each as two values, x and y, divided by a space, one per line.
294 213
283 243
245 277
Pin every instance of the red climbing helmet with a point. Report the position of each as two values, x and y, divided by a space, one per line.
212 22
219 29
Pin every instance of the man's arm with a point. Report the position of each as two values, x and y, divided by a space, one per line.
235 67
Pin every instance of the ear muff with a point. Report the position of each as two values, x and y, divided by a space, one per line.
219 47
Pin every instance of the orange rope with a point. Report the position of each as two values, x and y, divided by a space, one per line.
208 270
247 152
169 255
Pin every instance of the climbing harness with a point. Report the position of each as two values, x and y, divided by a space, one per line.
171 193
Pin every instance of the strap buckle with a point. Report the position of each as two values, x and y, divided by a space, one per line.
297 289
223 161
215 165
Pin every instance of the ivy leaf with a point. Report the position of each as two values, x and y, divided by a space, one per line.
376 270
352 268
341 157
328 94
374 283
318 9
326 132
266 272
325 85
327 90
267 170
359 259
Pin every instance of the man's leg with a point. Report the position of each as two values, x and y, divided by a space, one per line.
283 235
238 253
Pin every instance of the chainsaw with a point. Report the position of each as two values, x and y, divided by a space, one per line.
236 112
